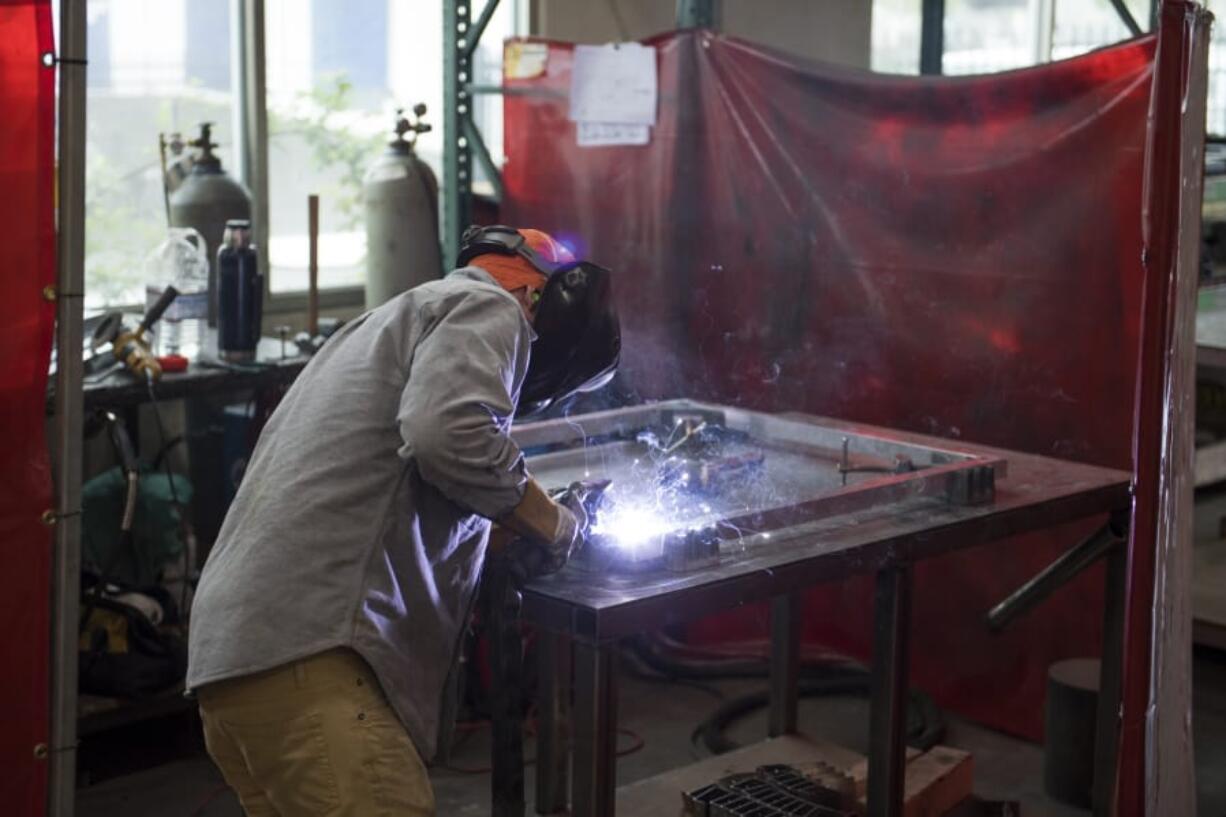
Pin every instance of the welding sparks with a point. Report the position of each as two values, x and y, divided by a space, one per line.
632 527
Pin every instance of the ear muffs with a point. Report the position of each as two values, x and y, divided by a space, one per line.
503 240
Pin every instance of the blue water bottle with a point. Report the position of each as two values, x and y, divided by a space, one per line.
240 294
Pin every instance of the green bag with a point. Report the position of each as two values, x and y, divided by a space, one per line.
155 526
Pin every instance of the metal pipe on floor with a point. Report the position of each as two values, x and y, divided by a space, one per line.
68 433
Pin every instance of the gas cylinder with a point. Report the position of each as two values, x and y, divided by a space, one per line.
400 193
206 199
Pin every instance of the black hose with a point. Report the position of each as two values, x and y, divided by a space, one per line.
925 723
656 654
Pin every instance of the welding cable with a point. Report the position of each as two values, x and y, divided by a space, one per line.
925 722
637 742
757 650
656 654
174 496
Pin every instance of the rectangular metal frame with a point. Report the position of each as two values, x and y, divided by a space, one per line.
946 470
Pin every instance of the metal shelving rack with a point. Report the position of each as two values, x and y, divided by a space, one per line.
462 140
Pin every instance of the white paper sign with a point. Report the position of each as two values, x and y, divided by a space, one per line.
614 84
598 134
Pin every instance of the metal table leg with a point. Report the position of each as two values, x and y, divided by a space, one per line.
506 658
1110 685
594 781
888 723
785 663
553 717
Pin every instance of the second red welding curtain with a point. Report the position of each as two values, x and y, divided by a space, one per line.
959 257
27 265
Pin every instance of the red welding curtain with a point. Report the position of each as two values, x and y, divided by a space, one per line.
27 264
960 257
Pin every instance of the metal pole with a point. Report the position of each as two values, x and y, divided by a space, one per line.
1130 22
1044 22
697 14
553 722
785 663
68 431
887 761
251 134
457 107
1068 566
594 780
506 659
932 36
1110 683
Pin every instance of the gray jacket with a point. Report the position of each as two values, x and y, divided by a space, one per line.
361 520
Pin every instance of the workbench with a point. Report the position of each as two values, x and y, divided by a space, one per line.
273 366
276 366
580 616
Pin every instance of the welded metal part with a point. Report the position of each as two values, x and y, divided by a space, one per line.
1060 572
887 758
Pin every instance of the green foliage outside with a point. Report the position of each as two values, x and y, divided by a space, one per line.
340 154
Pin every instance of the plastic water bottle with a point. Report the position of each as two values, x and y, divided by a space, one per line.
181 260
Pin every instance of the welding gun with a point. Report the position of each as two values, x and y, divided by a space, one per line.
513 541
132 346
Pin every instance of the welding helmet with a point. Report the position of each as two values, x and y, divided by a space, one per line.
578 336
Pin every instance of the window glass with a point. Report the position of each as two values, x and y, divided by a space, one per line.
336 70
155 66
984 36
895 36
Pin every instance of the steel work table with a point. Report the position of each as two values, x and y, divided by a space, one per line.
581 616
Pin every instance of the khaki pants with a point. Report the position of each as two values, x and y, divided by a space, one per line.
314 737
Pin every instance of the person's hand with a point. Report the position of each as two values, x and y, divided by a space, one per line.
571 525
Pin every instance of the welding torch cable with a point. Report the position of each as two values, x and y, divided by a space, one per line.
637 742
925 721
660 660
747 650
174 495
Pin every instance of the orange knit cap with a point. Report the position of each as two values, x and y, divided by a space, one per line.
512 272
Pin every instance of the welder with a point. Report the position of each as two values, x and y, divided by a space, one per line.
331 607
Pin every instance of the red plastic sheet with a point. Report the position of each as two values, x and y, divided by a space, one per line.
961 257
27 264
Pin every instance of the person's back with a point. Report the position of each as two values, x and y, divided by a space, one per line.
330 609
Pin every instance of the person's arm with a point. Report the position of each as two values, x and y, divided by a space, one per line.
456 408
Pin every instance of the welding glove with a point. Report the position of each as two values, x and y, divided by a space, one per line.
552 529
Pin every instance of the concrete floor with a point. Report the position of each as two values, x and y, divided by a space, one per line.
663 715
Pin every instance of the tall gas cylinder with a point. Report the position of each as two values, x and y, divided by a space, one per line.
400 193
205 201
